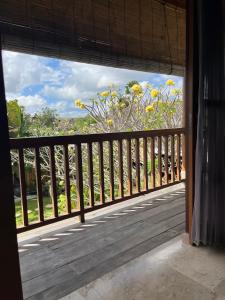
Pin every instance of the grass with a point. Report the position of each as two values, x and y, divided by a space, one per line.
33 210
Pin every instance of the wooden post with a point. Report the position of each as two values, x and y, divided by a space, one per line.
11 286
191 78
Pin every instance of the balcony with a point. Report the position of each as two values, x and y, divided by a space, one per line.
129 199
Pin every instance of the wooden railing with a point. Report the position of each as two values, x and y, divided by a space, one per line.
97 169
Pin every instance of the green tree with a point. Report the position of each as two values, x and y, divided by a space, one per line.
15 118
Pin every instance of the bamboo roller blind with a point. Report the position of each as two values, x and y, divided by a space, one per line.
146 35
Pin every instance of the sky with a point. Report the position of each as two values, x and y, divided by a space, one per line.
39 82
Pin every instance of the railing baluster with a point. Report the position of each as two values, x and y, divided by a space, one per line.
101 173
137 162
178 158
172 158
145 164
120 156
67 178
39 184
23 187
183 153
160 159
129 168
90 175
53 182
153 161
79 181
111 171
166 160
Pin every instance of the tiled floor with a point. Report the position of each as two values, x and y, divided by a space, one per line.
174 270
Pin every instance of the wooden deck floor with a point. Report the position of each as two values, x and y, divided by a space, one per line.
65 260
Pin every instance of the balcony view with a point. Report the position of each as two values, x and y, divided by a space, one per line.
112 146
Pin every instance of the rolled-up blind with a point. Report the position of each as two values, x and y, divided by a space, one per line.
146 35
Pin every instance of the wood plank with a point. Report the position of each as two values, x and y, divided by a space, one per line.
68 254
166 160
101 173
137 165
117 230
145 165
178 158
153 162
53 182
30 142
67 178
133 217
39 184
79 182
160 159
23 192
91 175
172 158
129 168
111 172
120 158
129 241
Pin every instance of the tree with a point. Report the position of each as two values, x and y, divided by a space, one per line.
15 118
135 108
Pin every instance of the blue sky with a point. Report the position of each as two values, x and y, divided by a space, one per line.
38 82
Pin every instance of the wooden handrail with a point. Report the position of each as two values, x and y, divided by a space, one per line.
30 142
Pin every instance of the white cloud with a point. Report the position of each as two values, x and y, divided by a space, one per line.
32 104
61 82
22 70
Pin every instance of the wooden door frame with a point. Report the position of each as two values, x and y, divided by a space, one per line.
11 286
190 107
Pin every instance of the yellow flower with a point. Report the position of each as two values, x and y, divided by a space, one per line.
154 93
109 122
114 94
170 82
136 88
77 102
175 92
105 94
149 108
82 106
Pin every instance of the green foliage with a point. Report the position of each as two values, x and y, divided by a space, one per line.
83 123
15 118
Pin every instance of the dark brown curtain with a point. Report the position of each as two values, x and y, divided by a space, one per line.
209 203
